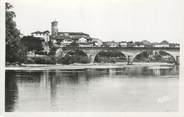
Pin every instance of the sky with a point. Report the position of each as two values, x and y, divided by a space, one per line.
108 20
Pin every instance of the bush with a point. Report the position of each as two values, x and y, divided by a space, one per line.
83 59
73 59
41 60
30 61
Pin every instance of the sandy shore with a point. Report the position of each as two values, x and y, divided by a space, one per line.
80 66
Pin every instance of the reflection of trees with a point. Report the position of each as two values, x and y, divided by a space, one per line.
59 79
69 77
29 76
53 88
11 91
95 73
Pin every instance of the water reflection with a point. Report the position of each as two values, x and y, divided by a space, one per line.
92 89
11 91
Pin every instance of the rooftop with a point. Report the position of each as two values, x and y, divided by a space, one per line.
74 33
40 32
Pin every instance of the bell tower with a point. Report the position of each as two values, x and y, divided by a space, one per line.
54 27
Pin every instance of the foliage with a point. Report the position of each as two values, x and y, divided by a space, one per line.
15 51
74 57
52 47
41 60
165 42
110 57
32 43
142 56
45 60
148 56
138 43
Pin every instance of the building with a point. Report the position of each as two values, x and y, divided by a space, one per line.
161 44
147 43
156 44
66 38
164 43
123 44
82 40
44 35
54 28
110 44
174 45
139 44
131 44
66 42
97 42
90 44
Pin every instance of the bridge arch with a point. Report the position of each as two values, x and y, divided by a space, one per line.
71 52
145 52
110 56
73 56
170 54
153 52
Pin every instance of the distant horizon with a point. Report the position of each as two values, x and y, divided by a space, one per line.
110 20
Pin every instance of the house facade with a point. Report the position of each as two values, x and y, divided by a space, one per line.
174 45
97 42
44 35
159 45
110 44
123 44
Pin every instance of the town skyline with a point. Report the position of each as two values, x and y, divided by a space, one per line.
108 21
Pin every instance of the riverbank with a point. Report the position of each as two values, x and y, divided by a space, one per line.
81 66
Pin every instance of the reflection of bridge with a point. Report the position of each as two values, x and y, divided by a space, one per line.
129 52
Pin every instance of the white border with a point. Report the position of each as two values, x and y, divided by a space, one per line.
2 55
87 114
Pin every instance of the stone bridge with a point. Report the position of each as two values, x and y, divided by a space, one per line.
129 52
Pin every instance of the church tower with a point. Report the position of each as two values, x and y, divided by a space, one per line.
54 28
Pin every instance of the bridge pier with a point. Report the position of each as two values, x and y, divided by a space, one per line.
130 60
91 58
177 60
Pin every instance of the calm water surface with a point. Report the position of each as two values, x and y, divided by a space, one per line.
118 89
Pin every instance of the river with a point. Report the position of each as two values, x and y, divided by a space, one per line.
126 89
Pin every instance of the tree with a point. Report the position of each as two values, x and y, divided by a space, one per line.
164 42
32 43
138 43
15 51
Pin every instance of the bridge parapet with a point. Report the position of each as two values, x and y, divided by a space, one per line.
119 48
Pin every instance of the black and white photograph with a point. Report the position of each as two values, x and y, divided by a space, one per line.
92 56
